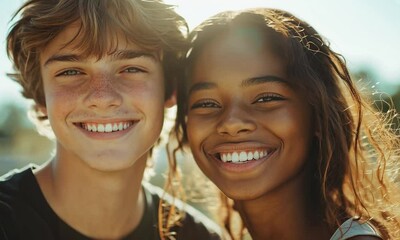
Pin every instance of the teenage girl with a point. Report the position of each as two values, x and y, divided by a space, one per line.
274 119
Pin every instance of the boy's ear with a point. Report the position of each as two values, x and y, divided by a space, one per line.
42 109
171 101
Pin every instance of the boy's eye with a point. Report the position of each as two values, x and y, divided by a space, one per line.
205 104
268 98
69 72
133 70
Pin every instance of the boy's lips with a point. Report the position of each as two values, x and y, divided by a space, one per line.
106 127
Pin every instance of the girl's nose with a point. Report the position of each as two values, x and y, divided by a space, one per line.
235 122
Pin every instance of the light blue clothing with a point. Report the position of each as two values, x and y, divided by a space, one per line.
352 228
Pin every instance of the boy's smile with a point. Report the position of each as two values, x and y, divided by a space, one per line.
106 130
105 111
106 127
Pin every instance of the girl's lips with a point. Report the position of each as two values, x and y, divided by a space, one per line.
240 166
241 156
241 152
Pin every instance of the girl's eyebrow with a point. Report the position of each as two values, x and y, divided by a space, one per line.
245 83
263 79
201 86
119 55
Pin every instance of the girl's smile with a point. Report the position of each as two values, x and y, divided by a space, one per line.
240 157
249 130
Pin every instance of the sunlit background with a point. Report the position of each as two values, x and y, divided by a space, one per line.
366 32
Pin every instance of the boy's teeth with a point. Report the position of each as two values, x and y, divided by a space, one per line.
239 157
108 127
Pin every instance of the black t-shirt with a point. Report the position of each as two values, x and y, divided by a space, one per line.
25 214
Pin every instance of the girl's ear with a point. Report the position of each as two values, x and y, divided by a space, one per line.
171 101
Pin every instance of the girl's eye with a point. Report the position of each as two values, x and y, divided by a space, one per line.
268 98
69 72
205 104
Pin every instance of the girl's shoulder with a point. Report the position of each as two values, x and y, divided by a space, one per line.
353 228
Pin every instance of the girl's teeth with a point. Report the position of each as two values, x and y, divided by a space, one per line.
243 156
235 157
250 156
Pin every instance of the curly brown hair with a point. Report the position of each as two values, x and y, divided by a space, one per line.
356 153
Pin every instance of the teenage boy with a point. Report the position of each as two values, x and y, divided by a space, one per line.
101 72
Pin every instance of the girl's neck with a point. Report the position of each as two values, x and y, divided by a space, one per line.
106 205
285 213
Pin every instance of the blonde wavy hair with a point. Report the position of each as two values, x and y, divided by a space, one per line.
150 24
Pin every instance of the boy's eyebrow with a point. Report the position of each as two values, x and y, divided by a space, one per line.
201 86
129 54
263 79
119 55
62 58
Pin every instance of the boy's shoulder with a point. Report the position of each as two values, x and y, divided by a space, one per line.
12 183
17 189
21 199
194 225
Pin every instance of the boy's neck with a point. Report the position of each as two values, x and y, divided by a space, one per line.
106 205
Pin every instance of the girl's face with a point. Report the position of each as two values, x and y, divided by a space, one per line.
250 131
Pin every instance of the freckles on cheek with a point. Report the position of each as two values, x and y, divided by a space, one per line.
60 100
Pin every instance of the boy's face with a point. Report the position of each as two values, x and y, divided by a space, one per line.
106 112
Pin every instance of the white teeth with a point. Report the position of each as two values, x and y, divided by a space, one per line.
223 158
108 127
100 128
250 156
235 157
242 156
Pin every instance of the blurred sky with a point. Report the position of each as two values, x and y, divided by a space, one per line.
366 32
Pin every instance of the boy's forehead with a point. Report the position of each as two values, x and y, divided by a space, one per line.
71 40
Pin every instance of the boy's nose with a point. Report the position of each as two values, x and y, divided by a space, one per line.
235 122
102 93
